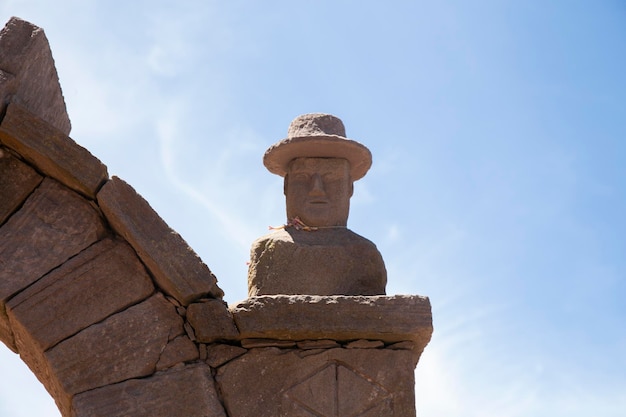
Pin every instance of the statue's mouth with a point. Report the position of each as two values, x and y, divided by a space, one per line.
318 202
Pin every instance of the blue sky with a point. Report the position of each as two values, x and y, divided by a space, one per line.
498 186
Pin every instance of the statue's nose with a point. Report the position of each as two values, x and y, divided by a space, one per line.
317 186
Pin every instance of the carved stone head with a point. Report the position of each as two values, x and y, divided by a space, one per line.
318 191
319 165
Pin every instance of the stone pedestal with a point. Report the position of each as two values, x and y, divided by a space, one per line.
326 356
339 382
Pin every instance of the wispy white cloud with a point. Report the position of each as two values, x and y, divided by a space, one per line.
233 227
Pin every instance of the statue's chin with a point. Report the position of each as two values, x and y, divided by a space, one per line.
321 221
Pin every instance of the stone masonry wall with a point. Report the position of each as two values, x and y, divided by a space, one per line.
117 316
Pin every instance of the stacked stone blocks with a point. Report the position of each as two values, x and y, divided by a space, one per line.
117 316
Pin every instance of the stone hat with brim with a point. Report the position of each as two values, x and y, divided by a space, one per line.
317 135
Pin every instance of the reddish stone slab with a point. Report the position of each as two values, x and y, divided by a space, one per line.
175 266
53 225
178 351
51 151
6 333
102 280
188 392
261 343
274 382
318 344
28 75
202 351
8 86
303 317
365 344
17 181
219 354
212 321
124 346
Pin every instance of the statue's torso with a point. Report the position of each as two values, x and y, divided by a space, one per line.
322 262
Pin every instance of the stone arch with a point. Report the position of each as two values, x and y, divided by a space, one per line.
117 316
94 286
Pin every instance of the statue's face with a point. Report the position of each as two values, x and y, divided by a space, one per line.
318 191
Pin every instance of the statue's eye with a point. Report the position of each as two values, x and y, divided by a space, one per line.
301 176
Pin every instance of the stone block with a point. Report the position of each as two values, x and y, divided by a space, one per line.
102 280
126 345
179 350
176 268
365 344
53 225
317 344
275 382
51 151
258 343
188 392
28 74
218 354
408 345
202 352
190 333
212 321
17 181
390 319
8 87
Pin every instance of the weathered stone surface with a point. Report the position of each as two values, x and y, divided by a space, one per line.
333 383
408 345
17 181
179 350
173 300
259 343
8 85
124 346
365 344
6 335
317 344
104 279
212 321
218 354
387 318
322 262
175 266
30 241
189 330
187 392
202 351
51 151
28 75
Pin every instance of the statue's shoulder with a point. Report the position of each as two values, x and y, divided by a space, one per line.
357 239
275 235
337 238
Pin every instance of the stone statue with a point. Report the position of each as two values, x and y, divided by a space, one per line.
315 253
